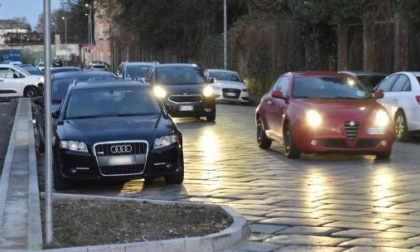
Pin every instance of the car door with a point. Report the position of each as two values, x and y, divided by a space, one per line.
276 108
11 82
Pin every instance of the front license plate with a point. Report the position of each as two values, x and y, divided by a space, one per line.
186 108
122 160
230 94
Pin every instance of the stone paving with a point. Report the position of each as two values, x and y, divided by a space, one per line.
317 203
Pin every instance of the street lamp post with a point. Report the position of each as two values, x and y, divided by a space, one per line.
65 36
224 34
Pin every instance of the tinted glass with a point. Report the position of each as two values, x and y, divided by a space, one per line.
386 84
179 75
134 71
370 81
111 101
60 86
329 88
400 83
227 76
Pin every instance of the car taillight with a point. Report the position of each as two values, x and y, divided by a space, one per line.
418 99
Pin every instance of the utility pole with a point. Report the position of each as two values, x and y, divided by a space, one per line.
224 34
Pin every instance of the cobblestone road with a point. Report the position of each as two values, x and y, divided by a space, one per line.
317 203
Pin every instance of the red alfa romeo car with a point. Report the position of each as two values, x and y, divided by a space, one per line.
317 112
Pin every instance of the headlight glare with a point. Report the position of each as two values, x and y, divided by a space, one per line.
73 146
381 118
313 118
208 91
159 92
164 141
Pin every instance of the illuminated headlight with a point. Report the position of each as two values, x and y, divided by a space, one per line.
313 118
164 141
159 92
381 118
208 91
73 146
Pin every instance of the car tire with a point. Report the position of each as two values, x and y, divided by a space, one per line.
400 126
383 155
211 117
290 150
60 183
263 141
30 92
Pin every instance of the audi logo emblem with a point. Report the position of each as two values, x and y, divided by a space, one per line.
115 149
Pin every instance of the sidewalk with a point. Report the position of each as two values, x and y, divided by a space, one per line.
20 217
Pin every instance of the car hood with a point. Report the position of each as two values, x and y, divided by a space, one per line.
93 130
184 88
229 84
354 109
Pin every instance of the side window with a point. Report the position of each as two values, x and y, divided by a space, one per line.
149 75
284 86
4 72
400 83
386 84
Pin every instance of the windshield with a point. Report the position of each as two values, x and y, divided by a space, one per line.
227 76
60 86
329 88
179 75
111 101
134 71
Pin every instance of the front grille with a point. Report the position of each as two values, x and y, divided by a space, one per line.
367 143
334 143
112 157
352 128
231 92
185 98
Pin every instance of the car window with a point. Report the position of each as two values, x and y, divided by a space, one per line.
111 101
282 84
400 83
386 84
133 71
329 88
227 76
179 75
9 73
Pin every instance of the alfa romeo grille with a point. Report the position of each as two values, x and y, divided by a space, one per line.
352 128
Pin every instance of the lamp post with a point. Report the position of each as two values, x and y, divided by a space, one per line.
90 42
65 36
224 34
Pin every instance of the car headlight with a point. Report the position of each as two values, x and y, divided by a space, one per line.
313 118
159 92
381 118
165 141
73 146
208 91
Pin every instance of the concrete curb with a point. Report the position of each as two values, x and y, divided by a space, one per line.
237 233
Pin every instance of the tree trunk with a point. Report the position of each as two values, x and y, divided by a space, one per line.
400 44
342 56
368 45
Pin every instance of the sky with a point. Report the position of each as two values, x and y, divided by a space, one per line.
30 9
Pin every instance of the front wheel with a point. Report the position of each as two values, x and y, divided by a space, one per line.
60 183
383 155
211 117
263 141
177 178
30 92
290 149
401 129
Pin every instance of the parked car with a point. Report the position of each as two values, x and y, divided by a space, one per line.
133 69
17 82
31 69
41 66
402 101
59 86
319 112
137 138
57 63
368 78
183 89
228 85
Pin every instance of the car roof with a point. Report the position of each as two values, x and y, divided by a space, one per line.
220 70
109 83
81 73
317 74
415 73
362 73
176 65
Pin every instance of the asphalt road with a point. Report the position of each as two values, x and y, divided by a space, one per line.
316 203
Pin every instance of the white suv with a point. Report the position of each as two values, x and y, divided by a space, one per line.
17 82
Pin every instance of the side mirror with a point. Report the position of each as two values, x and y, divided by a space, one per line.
39 100
277 94
378 94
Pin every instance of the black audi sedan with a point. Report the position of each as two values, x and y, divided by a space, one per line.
183 89
114 129
59 84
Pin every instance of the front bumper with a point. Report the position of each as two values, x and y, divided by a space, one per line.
231 95
190 106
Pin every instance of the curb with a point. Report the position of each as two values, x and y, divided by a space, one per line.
235 234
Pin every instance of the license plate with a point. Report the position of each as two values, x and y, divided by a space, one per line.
122 160
186 108
230 94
